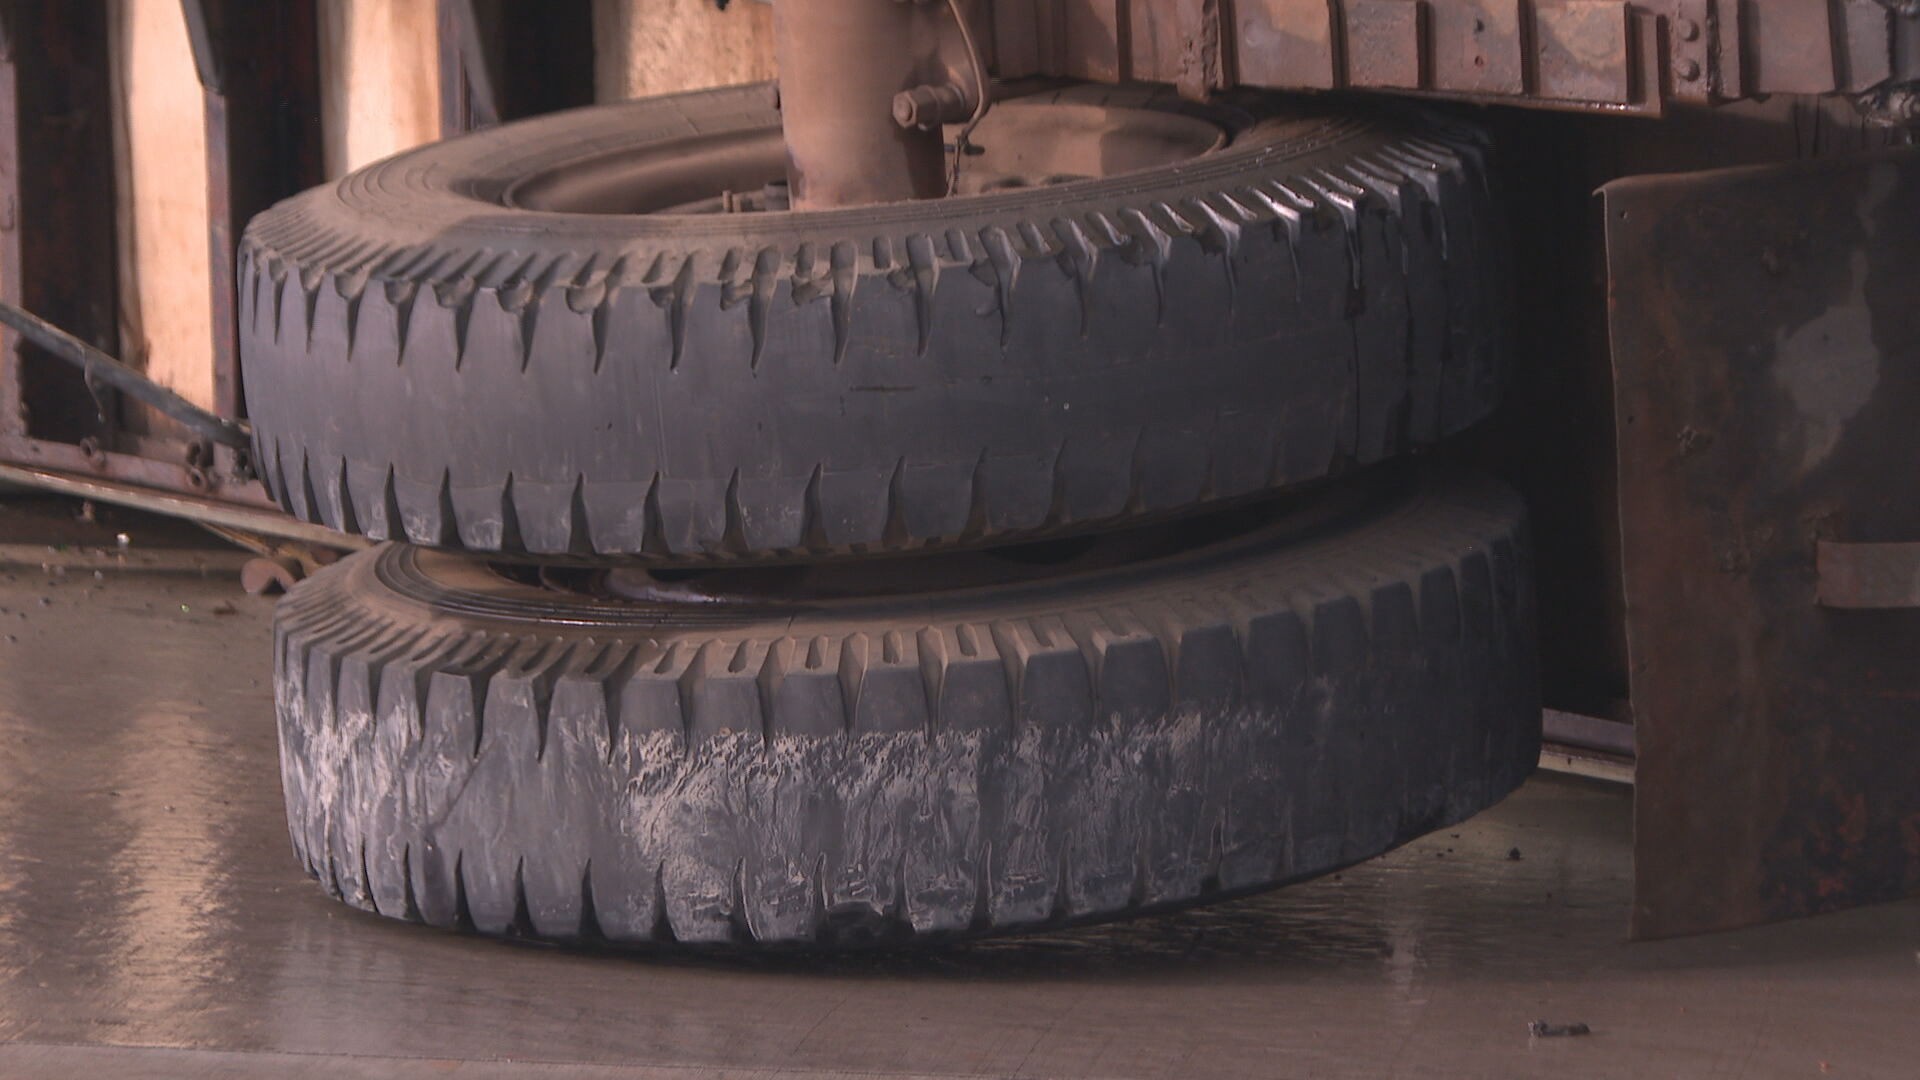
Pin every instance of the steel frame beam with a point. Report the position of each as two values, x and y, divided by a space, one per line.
1614 56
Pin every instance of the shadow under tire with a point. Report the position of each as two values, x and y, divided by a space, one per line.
434 353
1238 702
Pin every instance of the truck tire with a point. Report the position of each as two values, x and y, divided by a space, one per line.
483 343
1054 735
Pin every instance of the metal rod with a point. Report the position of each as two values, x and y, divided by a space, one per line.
841 63
195 508
99 367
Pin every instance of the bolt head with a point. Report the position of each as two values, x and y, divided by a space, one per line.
906 111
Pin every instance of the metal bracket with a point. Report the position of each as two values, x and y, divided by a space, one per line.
1767 370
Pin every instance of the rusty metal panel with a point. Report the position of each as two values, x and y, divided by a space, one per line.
1156 49
1583 51
1866 47
1478 47
1287 43
1791 45
1725 51
1017 30
1385 43
1612 56
1183 42
1766 347
1098 29
1694 41
1864 576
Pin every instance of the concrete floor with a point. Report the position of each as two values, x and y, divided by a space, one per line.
153 923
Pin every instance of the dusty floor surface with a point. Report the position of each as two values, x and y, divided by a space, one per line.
153 923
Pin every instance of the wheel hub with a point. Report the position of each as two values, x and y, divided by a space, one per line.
1025 142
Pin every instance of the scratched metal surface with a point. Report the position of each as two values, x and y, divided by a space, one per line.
153 923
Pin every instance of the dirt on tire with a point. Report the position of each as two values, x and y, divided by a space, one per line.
1294 691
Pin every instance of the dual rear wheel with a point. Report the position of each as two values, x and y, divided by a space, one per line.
912 571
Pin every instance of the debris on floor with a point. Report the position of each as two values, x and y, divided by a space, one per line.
1540 1029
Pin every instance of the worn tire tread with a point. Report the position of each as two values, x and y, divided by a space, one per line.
913 770
448 372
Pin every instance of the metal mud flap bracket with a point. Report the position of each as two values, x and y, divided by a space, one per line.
1765 331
